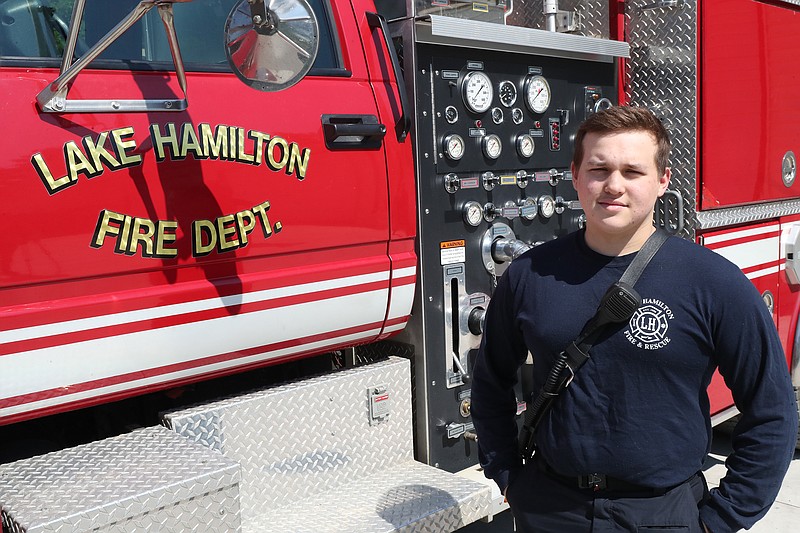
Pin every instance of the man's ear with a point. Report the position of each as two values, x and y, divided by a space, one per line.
574 174
663 181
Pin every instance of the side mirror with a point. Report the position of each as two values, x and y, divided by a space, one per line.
271 44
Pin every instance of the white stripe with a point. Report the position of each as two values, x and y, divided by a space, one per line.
751 254
50 402
404 272
401 301
395 327
740 234
763 272
127 317
60 366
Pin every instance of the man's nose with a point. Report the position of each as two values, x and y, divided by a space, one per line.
614 183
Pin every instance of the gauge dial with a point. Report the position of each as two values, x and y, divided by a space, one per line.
497 115
451 114
537 94
477 91
547 206
473 213
525 145
492 146
454 146
528 208
507 92
516 115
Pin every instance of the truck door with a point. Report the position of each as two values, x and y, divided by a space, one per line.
147 248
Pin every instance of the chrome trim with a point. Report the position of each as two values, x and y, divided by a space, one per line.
53 98
437 29
718 218
724 415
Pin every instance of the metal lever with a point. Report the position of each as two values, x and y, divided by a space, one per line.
665 4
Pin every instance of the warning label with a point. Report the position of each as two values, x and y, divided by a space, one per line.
452 252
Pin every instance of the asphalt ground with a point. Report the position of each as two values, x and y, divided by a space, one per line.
783 516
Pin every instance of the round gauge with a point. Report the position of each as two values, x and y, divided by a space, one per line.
492 146
537 94
602 104
454 146
516 115
525 145
528 208
547 206
497 115
507 92
473 213
477 91
451 114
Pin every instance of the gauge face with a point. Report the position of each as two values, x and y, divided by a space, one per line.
507 92
547 206
497 115
451 114
525 145
473 213
528 208
477 91
516 115
537 94
492 146
454 146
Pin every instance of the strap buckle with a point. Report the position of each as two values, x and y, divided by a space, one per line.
593 481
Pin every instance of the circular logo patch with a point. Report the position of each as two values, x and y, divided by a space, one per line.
649 325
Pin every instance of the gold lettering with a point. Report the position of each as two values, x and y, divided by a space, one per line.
283 146
160 141
105 227
259 140
243 156
145 238
225 228
189 142
166 232
300 159
120 137
77 162
215 145
51 184
199 229
97 151
245 227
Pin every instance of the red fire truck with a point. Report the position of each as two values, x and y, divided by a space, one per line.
249 243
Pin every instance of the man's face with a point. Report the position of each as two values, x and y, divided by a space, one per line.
618 184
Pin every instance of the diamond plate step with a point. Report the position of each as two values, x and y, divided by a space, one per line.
147 480
313 460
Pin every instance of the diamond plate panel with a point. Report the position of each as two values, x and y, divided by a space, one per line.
300 439
662 75
150 479
409 497
592 14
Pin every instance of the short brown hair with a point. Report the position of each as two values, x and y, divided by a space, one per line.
620 119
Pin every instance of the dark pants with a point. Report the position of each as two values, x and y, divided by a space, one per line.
542 504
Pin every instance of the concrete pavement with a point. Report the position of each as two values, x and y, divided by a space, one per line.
783 516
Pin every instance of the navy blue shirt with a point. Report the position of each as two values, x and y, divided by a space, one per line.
638 409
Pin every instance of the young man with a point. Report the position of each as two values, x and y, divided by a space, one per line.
637 413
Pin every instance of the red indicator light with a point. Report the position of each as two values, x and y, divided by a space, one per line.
478 124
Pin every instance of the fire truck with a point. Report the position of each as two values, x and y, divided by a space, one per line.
250 243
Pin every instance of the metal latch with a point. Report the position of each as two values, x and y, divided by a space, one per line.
378 404
680 4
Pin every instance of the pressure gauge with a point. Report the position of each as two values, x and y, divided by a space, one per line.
477 91
525 145
473 213
454 146
547 206
507 92
537 94
497 115
451 114
492 146
528 208
516 115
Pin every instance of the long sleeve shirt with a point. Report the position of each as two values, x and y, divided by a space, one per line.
638 410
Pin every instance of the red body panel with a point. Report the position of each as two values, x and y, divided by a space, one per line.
749 77
310 246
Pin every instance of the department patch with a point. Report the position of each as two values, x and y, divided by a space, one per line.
649 325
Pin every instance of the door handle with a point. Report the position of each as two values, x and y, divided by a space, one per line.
344 132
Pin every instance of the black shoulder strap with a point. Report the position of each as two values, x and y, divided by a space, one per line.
646 253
